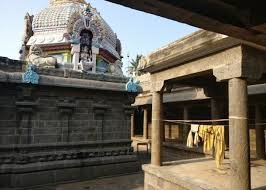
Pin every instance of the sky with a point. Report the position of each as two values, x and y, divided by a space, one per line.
139 32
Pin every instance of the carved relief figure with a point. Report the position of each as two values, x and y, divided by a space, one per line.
28 19
116 68
27 28
37 57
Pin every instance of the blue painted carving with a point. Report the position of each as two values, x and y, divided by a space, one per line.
101 66
74 40
30 76
132 86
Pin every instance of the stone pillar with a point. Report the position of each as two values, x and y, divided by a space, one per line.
66 110
132 124
170 131
156 129
260 138
145 124
75 52
185 127
95 52
215 109
215 114
163 132
26 110
239 135
99 117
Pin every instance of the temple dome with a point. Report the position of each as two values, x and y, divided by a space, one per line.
63 20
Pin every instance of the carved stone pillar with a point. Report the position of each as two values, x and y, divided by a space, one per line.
145 123
216 109
185 127
66 110
260 137
170 131
157 107
25 111
95 52
239 135
132 122
129 113
99 113
75 51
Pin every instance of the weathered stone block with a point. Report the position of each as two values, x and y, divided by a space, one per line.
38 139
7 139
70 174
33 179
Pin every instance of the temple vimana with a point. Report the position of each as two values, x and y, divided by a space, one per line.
193 116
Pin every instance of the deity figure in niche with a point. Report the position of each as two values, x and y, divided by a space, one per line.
86 58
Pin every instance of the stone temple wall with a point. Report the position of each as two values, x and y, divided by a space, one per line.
51 134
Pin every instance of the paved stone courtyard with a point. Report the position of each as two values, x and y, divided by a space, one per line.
126 182
136 181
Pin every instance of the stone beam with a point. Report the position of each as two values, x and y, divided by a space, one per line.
198 44
220 17
236 62
252 65
201 65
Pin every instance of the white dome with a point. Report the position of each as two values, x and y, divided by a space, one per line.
64 19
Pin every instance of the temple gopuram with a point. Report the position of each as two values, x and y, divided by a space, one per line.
65 107
74 34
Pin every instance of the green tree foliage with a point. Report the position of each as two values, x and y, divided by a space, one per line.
134 63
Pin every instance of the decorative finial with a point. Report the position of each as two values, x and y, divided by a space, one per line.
60 2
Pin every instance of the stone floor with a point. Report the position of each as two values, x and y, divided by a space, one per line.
201 170
126 182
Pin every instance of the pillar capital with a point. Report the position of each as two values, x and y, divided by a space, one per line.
157 85
250 65
247 70
216 92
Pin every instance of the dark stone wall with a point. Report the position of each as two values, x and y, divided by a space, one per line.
64 133
10 65
36 115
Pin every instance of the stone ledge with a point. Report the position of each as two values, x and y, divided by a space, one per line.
65 82
70 172
59 164
67 144
10 65
169 179
198 44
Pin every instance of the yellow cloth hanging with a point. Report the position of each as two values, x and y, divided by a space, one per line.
219 145
207 134
213 137
190 141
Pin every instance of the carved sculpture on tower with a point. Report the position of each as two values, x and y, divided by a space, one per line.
75 34
36 57
26 36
